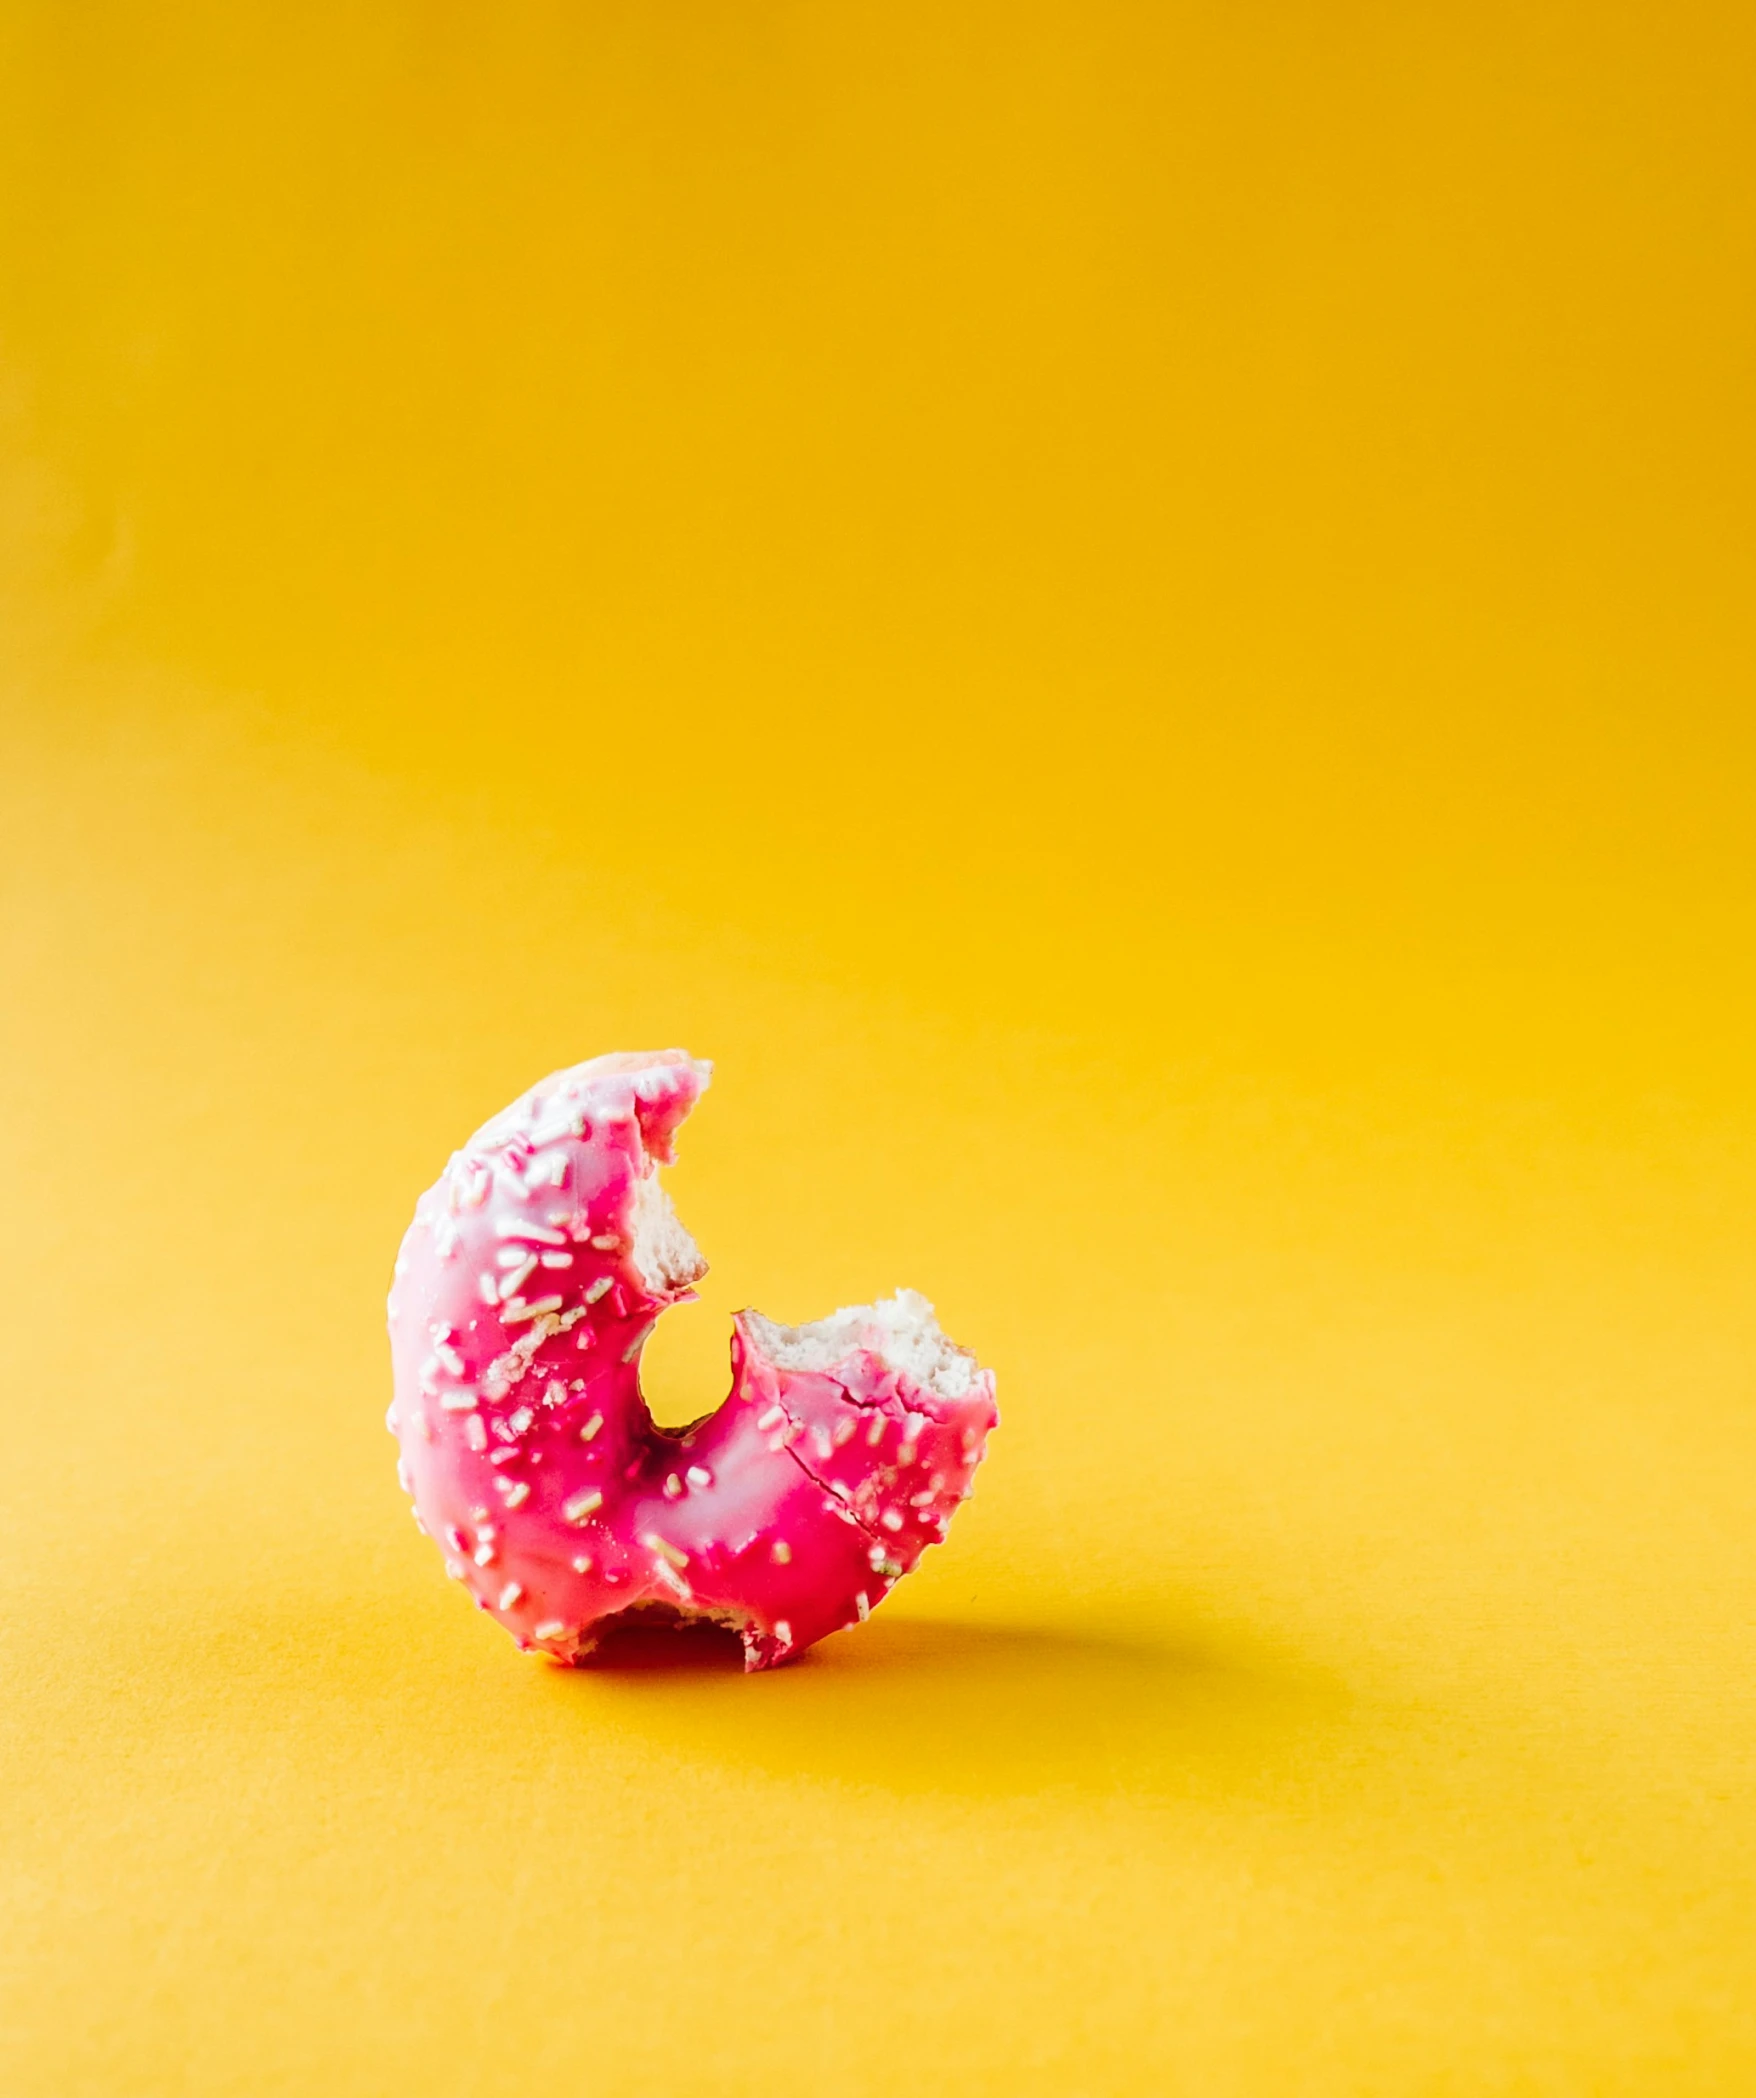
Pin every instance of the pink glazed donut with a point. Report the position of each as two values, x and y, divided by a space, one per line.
524 1292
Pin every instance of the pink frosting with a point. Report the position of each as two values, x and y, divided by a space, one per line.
517 1318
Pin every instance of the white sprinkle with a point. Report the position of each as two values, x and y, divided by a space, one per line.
488 1287
638 1342
554 1392
861 1605
839 1490
667 1551
454 1569
517 1491
783 1631
484 1555
778 1440
520 1420
782 1553
512 1256
877 1556
821 1443
674 1581
557 1260
455 1538
516 1312
474 1192
581 1505
923 1500
419 1525
699 1475
512 1283
906 1455
891 1518
844 1432
583 1563
522 1227
591 1427
673 1488
607 1242
510 1594
773 1417
550 1628
475 1432
402 1477
484 1528
458 1401
600 1288
875 1433
448 1355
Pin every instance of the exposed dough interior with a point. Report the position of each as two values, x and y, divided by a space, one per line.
900 1330
664 1253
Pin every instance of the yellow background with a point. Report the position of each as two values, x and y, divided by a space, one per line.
1140 618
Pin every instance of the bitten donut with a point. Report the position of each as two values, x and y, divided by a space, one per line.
525 1289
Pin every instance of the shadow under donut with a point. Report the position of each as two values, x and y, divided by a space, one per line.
917 1704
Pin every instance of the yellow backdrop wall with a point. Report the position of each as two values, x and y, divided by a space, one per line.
1139 618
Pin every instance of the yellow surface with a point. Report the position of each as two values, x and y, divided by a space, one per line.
1140 618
